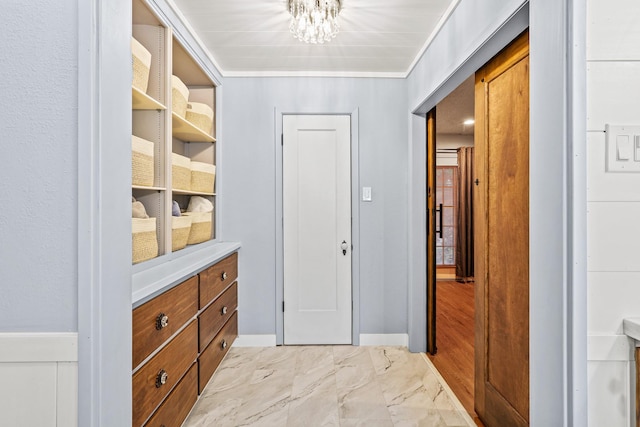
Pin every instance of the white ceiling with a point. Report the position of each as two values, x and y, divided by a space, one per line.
457 107
377 37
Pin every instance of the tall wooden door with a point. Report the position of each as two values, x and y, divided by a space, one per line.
431 231
317 229
502 237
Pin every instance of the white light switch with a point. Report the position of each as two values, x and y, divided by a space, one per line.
366 194
623 147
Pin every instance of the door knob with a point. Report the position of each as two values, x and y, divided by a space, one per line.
344 246
162 321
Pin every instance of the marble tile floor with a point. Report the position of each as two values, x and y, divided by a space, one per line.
327 386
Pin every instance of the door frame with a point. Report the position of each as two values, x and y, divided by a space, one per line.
279 112
558 388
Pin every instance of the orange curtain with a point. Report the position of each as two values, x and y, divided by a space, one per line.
464 237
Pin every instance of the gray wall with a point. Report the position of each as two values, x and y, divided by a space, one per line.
38 154
248 207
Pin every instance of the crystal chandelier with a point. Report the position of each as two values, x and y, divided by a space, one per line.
314 21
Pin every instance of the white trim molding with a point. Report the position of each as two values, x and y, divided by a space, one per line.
40 379
401 340
38 347
255 341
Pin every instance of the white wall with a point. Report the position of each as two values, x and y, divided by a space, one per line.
38 172
613 88
451 141
248 146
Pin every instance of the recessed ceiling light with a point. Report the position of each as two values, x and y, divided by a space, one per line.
468 122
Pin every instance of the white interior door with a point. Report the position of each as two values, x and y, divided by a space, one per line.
317 229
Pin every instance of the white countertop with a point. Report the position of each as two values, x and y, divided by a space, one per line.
631 327
150 282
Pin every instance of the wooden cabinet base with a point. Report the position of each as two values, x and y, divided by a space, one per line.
175 409
217 278
157 320
156 378
212 320
211 357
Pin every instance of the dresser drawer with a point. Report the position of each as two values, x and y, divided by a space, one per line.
174 360
178 404
216 278
211 357
155 321
216 315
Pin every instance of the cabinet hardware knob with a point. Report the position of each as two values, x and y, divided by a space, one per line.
223 345
161 378
223 276
224 310
162 321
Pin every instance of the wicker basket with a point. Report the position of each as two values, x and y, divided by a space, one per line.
180 172
141 59
143 239
200 226
142 161
179 96
203 177
201 116
180 228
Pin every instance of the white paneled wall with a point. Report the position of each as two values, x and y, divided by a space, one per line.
613 97
39 375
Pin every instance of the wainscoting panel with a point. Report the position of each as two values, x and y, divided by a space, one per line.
39 384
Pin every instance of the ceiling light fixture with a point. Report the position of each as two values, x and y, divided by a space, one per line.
468 122
314 21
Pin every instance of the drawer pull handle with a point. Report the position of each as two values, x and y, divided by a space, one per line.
223 276
224 310
162 321
161 378
223 345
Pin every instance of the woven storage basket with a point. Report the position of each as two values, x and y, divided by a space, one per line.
141 59
142 161
201 116
180 228
179 96
200 227
180 172
203 177
143 239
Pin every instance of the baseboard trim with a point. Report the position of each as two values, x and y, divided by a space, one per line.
255 341
401 340
610 348
38 347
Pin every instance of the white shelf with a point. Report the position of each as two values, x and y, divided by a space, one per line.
142 187
186 131
191 193
142 101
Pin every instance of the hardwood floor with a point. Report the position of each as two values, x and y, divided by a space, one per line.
454 339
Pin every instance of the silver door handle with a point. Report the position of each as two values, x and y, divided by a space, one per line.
344 246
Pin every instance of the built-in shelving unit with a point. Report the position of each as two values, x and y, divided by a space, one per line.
154 121
142 101
186 131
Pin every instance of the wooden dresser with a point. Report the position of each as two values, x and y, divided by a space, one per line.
179 339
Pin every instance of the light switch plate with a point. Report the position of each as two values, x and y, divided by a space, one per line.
622 148
366 194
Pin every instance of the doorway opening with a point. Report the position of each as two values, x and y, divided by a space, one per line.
454 293
497 331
